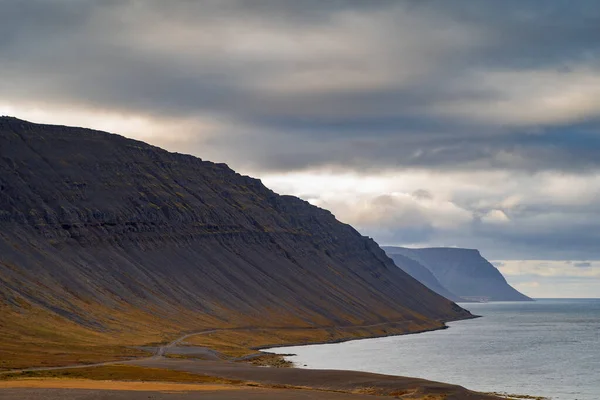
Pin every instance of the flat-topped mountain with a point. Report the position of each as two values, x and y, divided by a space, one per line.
423 275
107 237
463 273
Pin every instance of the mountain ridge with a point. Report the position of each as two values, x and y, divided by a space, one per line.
464 273
108 237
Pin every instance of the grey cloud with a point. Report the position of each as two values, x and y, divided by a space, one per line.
368 86
184 59
510 244
507 217
422 194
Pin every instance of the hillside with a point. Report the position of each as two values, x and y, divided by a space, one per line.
463 272
107 242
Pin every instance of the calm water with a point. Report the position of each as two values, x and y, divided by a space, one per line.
546 348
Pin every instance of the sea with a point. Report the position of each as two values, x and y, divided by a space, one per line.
549 348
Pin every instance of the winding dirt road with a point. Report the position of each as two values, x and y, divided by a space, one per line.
162 350
321 384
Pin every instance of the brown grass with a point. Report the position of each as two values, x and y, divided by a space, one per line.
50 383
271 360
34 337
121 373
37 338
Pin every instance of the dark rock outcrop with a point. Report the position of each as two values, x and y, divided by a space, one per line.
462 272
91 221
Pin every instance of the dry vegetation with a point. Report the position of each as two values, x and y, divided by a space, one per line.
53 341
121 373
163 387
271 360
35 337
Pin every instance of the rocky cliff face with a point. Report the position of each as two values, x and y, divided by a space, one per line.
113 234
423 275
462 272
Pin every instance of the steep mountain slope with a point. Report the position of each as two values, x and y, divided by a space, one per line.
111 241
463 272
423 275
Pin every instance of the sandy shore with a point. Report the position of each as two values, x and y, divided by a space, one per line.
249 382
319 385
331 380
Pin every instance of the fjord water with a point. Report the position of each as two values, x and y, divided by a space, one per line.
550 348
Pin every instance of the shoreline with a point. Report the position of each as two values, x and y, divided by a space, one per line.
496 393
343 340
159 349
279 381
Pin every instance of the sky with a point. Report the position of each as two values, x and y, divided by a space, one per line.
420 122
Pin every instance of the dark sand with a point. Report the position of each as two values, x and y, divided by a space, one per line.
288 383
276 383
346 381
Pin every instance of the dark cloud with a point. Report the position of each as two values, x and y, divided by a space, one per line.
372 82
368 87
513 242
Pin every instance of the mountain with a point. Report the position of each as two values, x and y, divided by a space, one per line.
423 275
462 272
107 241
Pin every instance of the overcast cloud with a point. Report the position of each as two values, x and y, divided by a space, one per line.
434 122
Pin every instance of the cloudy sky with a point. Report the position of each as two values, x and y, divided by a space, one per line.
422 123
